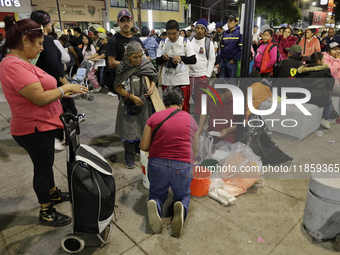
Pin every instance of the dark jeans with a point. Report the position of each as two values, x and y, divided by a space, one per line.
165 173
40 147
228 70
327 111
130 148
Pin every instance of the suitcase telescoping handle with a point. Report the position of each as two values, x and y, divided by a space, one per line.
71 127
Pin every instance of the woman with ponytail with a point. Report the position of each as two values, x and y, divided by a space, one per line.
319 81
34 101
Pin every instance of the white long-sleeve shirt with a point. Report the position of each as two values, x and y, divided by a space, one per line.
65 57
203 66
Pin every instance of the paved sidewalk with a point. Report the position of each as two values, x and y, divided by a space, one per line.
273 210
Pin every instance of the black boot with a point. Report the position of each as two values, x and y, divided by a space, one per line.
58 197
49 216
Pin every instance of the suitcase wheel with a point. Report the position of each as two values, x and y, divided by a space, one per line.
337 238
72 243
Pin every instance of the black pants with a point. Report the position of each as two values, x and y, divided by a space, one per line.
109 79
40 147
130 148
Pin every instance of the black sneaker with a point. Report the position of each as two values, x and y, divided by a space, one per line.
50 217
129 161
58 197
81 117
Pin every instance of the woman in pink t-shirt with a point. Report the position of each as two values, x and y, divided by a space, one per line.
172 149
34 101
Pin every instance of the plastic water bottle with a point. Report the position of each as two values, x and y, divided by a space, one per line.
319 134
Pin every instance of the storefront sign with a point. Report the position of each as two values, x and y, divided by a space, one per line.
75 10
23 6
319 18
10 3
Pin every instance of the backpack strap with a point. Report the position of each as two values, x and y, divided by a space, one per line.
160 124
207 47
185 41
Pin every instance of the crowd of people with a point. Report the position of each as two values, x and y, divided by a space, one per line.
182 62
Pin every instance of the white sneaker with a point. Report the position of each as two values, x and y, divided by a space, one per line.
97 89
57 145
325 123
111 94
154 220
178 220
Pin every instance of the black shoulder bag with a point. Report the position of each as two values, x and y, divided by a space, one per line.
160 124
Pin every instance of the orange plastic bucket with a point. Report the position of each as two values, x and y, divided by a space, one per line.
200 183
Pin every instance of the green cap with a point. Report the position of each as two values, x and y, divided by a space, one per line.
295 49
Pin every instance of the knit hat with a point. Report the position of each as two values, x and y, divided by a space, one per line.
145 31
202 22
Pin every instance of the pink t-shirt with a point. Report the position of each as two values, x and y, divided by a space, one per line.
15 74
174 139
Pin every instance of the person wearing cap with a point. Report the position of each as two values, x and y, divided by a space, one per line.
100 54
310 43
202 70
331 37
174 55
116 47
219 33
332 58
150 45
101 30
288 69
230 45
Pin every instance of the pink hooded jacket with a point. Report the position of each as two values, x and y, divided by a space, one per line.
334 65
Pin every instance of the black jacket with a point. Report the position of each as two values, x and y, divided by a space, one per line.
319 81
286 73
285 70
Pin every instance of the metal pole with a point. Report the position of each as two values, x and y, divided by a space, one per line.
108 15
61 27
210 10
245 58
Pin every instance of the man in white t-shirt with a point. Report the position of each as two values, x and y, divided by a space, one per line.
173 55
199 73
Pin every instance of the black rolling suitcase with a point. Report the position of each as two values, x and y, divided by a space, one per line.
92 191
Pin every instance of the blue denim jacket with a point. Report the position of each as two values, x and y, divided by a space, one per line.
152 46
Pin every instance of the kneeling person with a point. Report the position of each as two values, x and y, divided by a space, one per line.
171 138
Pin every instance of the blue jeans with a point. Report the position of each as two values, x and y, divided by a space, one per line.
101 79
327 110
228 70
165 173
